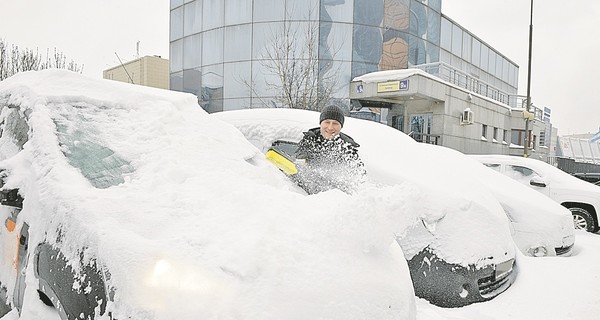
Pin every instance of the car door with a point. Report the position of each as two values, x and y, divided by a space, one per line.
527 176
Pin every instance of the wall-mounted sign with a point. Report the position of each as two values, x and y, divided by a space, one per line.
404 84
360 88
390 86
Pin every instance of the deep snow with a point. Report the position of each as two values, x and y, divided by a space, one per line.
547 288
283 260
187 227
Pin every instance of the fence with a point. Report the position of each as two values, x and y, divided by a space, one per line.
571 166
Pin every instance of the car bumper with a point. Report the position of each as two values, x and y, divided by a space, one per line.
450 285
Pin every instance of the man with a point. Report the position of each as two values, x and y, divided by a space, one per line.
331 157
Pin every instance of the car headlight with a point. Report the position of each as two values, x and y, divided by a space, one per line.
540 251
568 240
167 276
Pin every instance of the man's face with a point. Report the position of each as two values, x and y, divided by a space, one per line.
330 128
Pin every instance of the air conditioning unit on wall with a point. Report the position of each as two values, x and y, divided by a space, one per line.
466 117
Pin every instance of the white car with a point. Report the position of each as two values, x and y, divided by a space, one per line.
460 250
540 226
580 197
127 202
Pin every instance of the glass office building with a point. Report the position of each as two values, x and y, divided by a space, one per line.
219 48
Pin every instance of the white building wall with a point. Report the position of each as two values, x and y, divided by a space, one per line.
446 102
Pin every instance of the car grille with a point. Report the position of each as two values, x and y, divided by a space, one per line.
498 281
563 250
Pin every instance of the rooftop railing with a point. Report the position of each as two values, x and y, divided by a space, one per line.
464 80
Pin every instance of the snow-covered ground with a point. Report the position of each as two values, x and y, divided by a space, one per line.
192 198
546 288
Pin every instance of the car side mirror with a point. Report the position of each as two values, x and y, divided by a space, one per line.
537 182
11 198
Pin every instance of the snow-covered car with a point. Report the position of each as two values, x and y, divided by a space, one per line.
128 202
580 197
539 226
460 250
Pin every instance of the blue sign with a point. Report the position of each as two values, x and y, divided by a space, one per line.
404 84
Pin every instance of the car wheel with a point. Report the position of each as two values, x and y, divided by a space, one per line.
583 220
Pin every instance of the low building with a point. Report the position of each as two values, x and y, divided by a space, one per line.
150 71
434 110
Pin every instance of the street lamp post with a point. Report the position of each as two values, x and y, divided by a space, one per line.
527 108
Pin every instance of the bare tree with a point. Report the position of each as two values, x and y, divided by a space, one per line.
13 61
3 57
291 56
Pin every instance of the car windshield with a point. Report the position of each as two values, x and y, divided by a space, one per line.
80 143
288 147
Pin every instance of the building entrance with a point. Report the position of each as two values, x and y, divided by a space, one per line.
420 127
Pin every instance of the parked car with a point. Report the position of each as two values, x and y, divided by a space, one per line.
539 226
580 197
127 202
460 252
592 177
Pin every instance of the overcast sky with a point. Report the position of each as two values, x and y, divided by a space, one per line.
89 32
566 40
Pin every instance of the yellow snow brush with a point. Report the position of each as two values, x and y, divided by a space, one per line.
282 161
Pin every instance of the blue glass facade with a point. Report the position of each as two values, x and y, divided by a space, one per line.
218 47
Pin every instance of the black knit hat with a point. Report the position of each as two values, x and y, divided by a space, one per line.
332 112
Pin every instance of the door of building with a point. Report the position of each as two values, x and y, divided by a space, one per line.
420 126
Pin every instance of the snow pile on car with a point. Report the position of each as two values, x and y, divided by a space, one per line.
185 219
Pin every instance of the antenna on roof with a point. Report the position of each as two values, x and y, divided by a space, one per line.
124 68
137 50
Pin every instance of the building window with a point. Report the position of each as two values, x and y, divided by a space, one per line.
495 137
504 136
518 138
484 132
476 53
398 122
542 139
457 39
446 35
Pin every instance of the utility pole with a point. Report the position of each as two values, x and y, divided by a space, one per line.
527 108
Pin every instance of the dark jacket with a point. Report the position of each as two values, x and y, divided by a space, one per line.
329 163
